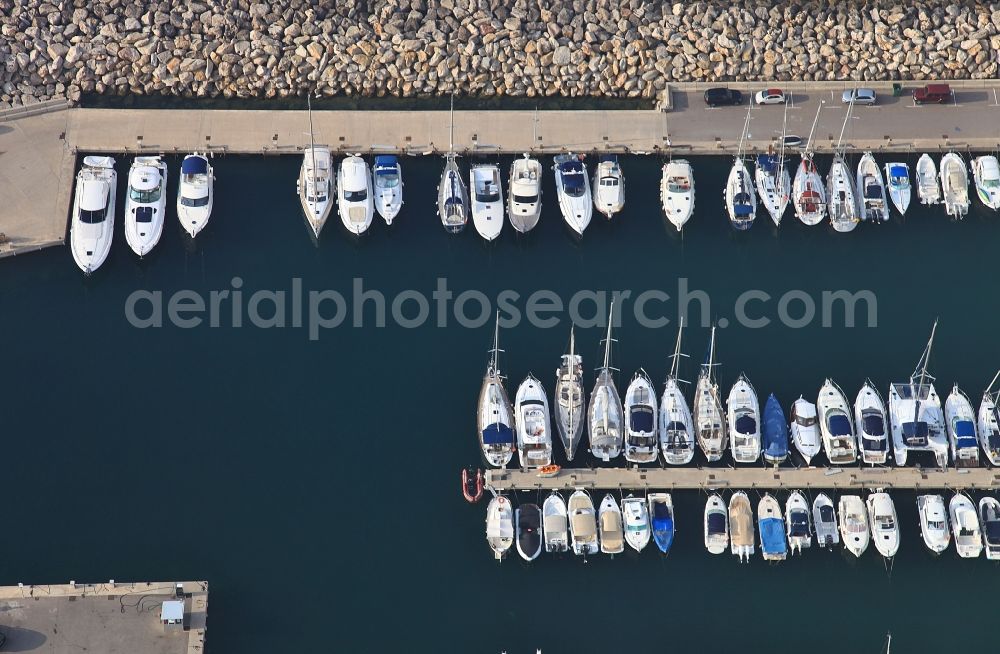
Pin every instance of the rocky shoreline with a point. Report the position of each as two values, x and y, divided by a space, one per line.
632 48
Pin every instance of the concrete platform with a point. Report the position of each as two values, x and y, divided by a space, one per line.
102 618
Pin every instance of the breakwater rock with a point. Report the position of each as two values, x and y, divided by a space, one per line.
626 48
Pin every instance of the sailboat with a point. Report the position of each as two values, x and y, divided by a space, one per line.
495 415
954 185
915 414
928 189
773 182
961 422
569 399
315 183
808 194
676 427
989 423
709 418
640 427
841 193
741 200
453 196
605 416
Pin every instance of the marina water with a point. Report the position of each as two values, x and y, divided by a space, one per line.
315 483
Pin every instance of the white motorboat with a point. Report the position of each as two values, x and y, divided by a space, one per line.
808 193
534 433
989 424
869 419
797 523
928 189
986 174
741 536
835 424
495 415
387 177
605 417
582 524
772 529
609 517
933 522
916 419
871 189
92 226
609 186
954 185
804 427
524 196
965 526
989 524
499 525
741 199
709 418
555 524
883 523
573 191
640 427
773 185
315 183
743 416
145 204
569 399
853 524
677 192
840 191
636 516
825 521
677 440
961 422
897 180
195 193
487 200
528 531
354 195
716 525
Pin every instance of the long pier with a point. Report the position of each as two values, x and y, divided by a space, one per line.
845 478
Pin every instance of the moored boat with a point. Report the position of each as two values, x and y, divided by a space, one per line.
677 192
841 195
487 200
676 427
609 517
145 204
453 196
534 433
808 193
915 415
740 197
661 511
716 525
472 485
825 521
555 523
640 420
928 189
965 526
871 189
897 180
853 524
528 529
986 175
989 525
635 512
805 430
499 525
775 433
835 424
709 418
743 416
609 186
354 195
797 524
524 195
605 417
989 424
869 418
387 176
772 529
573 192
933 522
582 524
92 225
883 524
195 193
315 184
569 399
954 185
961 422
495 415
741 537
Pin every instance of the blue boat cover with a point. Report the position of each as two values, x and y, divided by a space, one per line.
768 162
385 163
772 536
798 523
775 434
840 426
641 419
663 527
716 523
676 426
746 425
965 434
194 166
994 441
898 171
741 205
497 434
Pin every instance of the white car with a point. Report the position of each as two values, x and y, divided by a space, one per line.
770 96
860 96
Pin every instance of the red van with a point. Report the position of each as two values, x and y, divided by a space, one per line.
932 93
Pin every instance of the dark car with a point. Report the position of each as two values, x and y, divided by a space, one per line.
723 97
932 93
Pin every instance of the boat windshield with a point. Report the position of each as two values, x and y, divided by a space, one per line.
194 202
805 421
356 196
93 217
488 195
145 197
991 183
387 178
525 199
826 513
678 185
609 181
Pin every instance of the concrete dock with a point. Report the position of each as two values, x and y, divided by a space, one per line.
681 478
109 618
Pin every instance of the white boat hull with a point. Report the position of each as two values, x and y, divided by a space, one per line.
928 189
677 192
144 217
92 226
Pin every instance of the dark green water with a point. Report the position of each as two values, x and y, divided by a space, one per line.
315 483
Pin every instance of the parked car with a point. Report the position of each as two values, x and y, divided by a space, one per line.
860 96
721 97
770 96
932 94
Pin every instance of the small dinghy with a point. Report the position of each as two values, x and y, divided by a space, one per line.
354 195
635 512
92 226
609 186
897 178
640 428
869 418
388 180
555 524
612 533
145 204
961 422
954 185
716 525
524 196
487 200
195 193
605 415
528 524
884 526
853 524
805 429
989 523
965 526
772 529
551 470
825 521
582 524
744 421
709 418
676 426
933 522
986 174
499 525
573 192
835 425
928 189
472 485
989 424
534 433
569 399
871 187
741 538
495 414
677 192
797 526
775 434
661 511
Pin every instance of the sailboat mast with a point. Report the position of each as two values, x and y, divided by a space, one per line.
995 377
607 342
812 129
677 351
746 126
781 153
451 126
843 127
496 344
312 146
925 359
